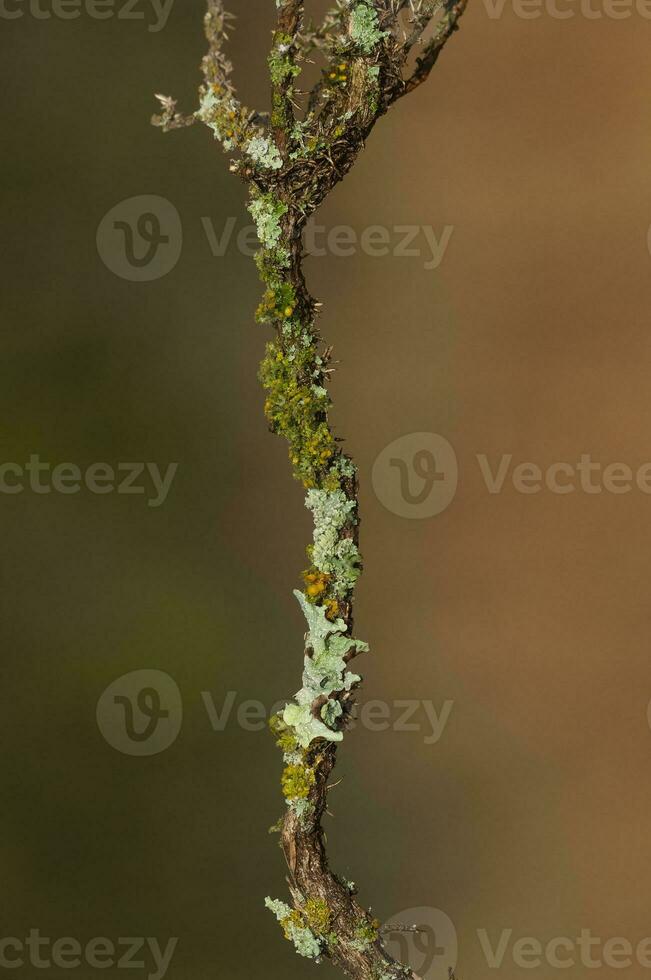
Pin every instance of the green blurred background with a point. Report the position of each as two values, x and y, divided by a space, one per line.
531 613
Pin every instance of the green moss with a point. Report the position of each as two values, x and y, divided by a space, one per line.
365 935
317 915
297 781
295 410
272 263
281 66
285 738
278 303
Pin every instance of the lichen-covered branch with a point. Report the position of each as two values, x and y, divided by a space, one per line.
291 158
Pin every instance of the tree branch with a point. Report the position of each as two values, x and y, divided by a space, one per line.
453 10
284 69
290 167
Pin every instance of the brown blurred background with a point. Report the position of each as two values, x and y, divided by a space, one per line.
529 612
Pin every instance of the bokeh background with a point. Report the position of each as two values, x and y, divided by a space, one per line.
529 612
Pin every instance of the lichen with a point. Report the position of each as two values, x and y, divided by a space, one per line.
334 556
295 929
319 628
346 564
306 726
267 211
373 96
265 153
324 673
364 29
227 119
330 712
302 808
305 144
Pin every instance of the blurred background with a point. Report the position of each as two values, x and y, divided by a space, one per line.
520 619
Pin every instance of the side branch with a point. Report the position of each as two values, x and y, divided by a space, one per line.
448 24
283 70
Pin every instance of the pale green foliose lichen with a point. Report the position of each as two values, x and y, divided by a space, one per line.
364 29
208 114
265 153
280 909
306 726
331 554
345 566
319 627
302 808
304 940
346 467
324 673
266 211
330 712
